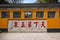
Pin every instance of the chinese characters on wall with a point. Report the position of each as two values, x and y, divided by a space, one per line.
27 25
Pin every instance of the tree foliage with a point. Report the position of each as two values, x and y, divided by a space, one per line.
10 1
3 2
47 1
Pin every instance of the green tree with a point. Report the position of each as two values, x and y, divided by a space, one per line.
3 2
15 1
41 1
53 1
11 1
47 1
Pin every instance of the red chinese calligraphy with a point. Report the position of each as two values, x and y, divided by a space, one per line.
22 25
29 24
42 25
36 23
15 24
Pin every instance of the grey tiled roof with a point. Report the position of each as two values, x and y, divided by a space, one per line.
29 5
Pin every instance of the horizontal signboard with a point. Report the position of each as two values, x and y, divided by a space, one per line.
27 25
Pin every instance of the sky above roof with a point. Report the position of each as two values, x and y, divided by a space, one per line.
29 1
24 1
